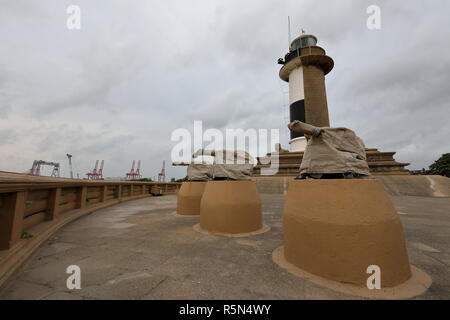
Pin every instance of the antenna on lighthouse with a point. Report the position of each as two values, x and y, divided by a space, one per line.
289 31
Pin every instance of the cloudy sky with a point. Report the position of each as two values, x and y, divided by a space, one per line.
137 70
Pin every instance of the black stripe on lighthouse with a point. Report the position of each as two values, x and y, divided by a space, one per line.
297 112
296 98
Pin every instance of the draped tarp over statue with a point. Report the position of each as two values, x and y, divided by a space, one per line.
199 172
230 204
229 164
336 227
331 152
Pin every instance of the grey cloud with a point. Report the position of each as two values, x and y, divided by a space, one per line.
5 109
7 136
116 89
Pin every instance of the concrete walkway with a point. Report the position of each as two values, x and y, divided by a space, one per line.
141 250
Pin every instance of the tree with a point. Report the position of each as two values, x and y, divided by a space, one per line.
441 166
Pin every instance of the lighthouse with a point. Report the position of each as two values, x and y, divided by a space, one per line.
304 68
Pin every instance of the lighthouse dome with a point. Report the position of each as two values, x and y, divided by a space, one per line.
305 40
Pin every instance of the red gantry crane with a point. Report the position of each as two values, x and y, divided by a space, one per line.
162 174
133 175
100 171
96 174
138 170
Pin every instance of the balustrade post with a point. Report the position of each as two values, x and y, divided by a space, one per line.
53 203
81 197
119 192
103 193
12 208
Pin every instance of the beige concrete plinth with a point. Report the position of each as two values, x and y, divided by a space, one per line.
189 197
231 207
414 286
336 229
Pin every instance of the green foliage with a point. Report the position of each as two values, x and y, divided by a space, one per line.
182 180
441 166
143 180
26 235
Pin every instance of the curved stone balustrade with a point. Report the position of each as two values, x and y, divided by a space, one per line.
32 208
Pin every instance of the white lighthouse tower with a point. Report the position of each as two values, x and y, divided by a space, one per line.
304 68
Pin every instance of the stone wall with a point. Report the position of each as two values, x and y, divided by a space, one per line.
404 185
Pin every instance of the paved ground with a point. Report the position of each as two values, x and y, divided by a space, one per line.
141 250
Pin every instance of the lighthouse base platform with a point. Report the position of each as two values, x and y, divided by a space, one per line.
288 163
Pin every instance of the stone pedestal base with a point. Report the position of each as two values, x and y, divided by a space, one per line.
336 229
288 163
189 197
231 207
415 286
